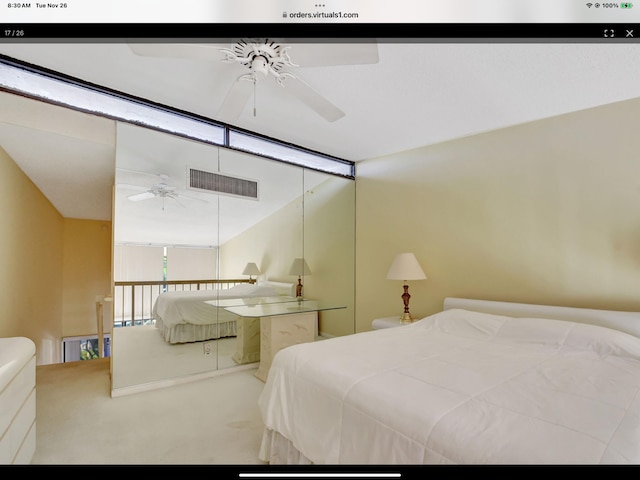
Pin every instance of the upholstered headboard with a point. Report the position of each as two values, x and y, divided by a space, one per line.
628 322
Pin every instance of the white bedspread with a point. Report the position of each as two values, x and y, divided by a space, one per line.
182 307
460 387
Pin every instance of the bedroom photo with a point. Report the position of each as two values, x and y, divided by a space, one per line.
347 250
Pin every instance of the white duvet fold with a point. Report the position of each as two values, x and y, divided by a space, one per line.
461 387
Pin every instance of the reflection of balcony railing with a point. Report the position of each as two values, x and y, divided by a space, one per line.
133 301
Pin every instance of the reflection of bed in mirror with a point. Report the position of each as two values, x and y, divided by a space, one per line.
184 316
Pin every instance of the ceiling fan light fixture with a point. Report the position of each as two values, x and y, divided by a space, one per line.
260 64
269 58
163 190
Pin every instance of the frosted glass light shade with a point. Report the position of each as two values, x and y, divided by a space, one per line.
251 269
405 267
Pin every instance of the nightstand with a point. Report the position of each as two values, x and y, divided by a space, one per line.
387 322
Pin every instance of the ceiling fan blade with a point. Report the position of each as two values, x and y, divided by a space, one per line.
175 199
236 99
141 196
328 54
126 170
131 187
176 196
190 197
310 54
194 51
313 99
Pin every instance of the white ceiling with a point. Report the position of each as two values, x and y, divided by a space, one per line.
416 94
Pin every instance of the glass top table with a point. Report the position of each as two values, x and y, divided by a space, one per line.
272 306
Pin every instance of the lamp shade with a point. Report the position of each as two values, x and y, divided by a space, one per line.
251 269
299 267
405 267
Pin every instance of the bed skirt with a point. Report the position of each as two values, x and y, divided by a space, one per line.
185 333
276 449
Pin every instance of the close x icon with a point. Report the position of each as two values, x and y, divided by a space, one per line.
618 33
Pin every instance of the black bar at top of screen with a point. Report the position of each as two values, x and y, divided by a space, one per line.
315 31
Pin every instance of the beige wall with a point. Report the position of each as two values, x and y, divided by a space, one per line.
545 212
31 252
328 246
52 267
86 274
271 244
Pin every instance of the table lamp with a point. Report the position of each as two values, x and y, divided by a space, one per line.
299 267
251 269
405 267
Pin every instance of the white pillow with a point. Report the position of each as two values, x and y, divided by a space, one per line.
253 290
282 288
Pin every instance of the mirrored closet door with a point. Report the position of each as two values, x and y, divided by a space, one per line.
188 219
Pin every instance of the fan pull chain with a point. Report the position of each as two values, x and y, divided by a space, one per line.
254 97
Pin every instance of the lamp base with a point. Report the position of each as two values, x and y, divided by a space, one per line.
299 289
406 318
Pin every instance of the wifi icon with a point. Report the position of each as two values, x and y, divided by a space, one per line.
589 5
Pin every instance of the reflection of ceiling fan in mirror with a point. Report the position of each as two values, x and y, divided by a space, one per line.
160 190
265 57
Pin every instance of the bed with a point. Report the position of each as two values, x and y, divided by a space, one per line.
184 316
481 382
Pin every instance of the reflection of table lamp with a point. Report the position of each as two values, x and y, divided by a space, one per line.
406 267
251 269
299 267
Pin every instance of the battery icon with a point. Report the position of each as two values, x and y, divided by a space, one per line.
626 5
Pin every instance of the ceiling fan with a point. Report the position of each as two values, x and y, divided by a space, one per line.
264 57
160 190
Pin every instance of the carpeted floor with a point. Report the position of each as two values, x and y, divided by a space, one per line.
211 421
140 356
